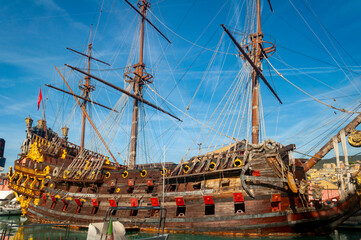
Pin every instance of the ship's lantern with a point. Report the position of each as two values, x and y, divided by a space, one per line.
179 201
94 202
276 202
65 131
208 200
155 202
41 123
256 173
134 202
29 122
209 205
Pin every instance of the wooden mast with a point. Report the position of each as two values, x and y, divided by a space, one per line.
137 87
256 55
86 89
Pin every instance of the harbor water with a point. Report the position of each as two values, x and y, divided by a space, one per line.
12 228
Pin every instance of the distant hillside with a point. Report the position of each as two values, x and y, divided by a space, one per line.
351 160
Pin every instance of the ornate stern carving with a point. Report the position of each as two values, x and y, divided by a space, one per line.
34 153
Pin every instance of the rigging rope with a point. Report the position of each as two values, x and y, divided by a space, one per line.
324 46
194 44
317 100
190 116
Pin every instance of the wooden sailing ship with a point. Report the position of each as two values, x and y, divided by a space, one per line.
245 188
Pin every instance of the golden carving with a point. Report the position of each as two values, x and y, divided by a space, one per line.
355 138
87 165
42 184
32 185
11 174
64 154
24 203
36 201
19 180
34 153
26 180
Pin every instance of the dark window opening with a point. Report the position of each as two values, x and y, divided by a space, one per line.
80 189
225 183
316 203
65 207
181 211
111 190
53 205
93 189
239 208
172 188
95 210
130 189
114 212
133 212
197 186
150 189
276 206
209 210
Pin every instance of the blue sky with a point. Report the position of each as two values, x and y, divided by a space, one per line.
34 35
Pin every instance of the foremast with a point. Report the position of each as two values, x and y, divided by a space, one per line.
86 88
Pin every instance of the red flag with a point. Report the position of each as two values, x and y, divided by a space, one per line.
39 99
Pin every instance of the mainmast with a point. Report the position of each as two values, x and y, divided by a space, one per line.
138 81
253 53
86 88
256 55
138 77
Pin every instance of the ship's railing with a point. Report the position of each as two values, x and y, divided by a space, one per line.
9 229
29 170
24 190
51 147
